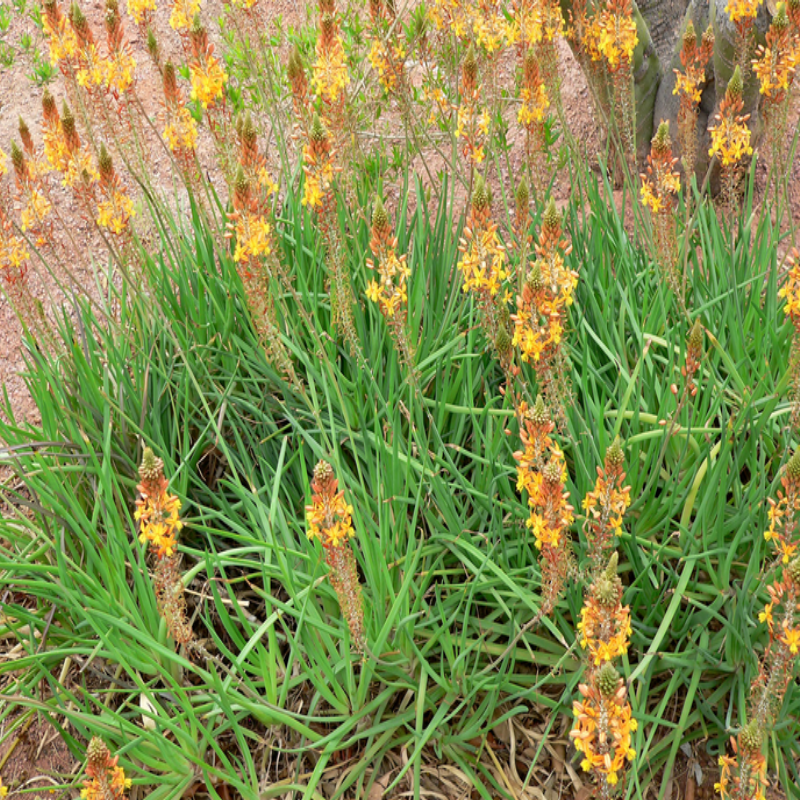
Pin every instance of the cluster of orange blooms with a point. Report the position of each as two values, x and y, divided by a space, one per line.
777 60
180 127
319 166
790 292
472 122
730 138
542 474
688 86
660 186
107 779
782 530
157 511
385 58
331 76
694 59
329 515
603 720
208 78
605 624
330 522
254 187
661 182
483 257
547 294
743 776
390 292
482 22
605 506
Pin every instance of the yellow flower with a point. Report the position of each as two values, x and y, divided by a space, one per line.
329 517
617 36
253 238
650 199
766 616
63 41
35 211
730 140
791 639
208 81
78 169
739 10
180 132
312 192
330 71
534 105
791 293
183 12
118 72
138 9
115 212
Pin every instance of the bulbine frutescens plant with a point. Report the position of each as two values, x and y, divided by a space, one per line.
534 317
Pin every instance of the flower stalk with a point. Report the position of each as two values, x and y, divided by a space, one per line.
329 519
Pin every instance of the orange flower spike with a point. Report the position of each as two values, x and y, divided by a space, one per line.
22 172
522 216
329 516
606 505
730 138
329 521
618 37
318 166
107 778
472 124
783 524
694 59
119 68
207 74
743 775
180 128
63 42
546 295
605 625
660 183
156 509
549 521
790 291
331 77
115 211
90 63
535 435
776 63
296 72
74 161
603 727
390 291
483 259
533 92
